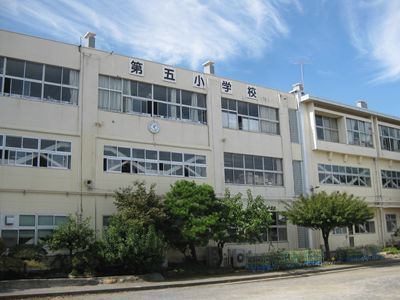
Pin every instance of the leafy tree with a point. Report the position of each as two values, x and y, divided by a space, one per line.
322 211
136 203
241 223
131 246
74 235
192 214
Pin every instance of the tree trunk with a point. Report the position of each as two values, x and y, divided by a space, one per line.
220 252
325 236
193 252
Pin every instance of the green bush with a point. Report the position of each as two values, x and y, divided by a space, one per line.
86 262
130 246
357 253
11 267
391 250
28 252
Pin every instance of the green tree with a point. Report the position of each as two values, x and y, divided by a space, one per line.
322 211
192 214
136 203
131 246
241 223
74 235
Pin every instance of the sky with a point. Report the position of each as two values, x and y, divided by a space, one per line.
349 50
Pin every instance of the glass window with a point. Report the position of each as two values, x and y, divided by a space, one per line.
70 77
327 129
52 92
10 237
13 141
33 70
26 237
144 90
391 222
26 220
58 220
15 67
45 221
52 74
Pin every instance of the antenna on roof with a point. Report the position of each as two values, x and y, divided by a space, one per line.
302 62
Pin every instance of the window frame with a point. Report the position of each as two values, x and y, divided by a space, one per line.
345 175
333 131
362 131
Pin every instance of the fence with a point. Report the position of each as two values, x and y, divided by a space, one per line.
282 260
358 254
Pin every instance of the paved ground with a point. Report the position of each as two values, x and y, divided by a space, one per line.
374 282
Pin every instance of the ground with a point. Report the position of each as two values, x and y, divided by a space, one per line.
373 282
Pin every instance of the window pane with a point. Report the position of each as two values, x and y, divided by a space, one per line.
33 70
70 77
45 220
15 67
26 237
177 157
30 143
104 81
63 146
44 233
253 110
138 153
53 74
9 237
52 92
32 89
243 108
228 176
26 220
144 90
58 220
187 97
160 93
165 156
69 95
151 154
13 141
16 86
49 145
238 160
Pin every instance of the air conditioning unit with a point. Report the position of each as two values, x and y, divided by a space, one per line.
212 257
239 258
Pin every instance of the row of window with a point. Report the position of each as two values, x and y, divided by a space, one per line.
122 95
253 169
368 227
30 229
249 117
358 133
34 152
38 81
342 175
152 162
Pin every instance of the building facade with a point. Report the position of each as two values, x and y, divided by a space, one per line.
76 123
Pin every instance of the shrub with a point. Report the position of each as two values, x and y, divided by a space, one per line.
28 252
130 246
2 246
11 267
391 250
86 262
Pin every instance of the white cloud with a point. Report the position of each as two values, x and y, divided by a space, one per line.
374 28
170 31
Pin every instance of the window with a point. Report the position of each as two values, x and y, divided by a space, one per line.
391 222
249 117
32 80
390 138
367 227
33 152
253 169
152 162
343 175
339 230
327 129
390 179
277 231
31 229
359 133
128 96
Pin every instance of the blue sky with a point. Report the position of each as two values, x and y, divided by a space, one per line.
351 49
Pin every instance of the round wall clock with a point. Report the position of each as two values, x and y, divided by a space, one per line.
154 127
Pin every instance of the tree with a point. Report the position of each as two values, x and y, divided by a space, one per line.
239 223
136 203
74 235
192 214
132 246
324 212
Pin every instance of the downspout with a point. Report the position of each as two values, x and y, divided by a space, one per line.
298 92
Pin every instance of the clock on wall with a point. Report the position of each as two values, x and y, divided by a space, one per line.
154 127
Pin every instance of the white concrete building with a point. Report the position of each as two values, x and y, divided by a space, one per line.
76 123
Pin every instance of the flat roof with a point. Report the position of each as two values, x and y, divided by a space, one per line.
337 106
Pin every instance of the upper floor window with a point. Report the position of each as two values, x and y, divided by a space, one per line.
32 80
359 132
390 138
327 129
121 95
253 169
153 162
342 175
249 117
390 179
33 152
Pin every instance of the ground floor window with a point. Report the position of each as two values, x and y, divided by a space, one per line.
277 231
391 222
367 227
339 230
29 229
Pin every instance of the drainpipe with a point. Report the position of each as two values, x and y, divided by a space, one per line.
298 92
